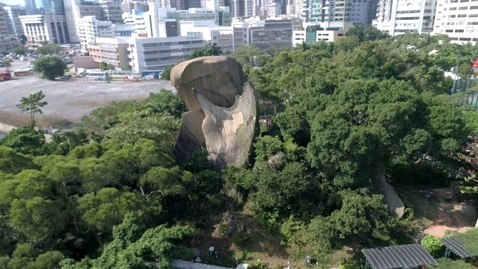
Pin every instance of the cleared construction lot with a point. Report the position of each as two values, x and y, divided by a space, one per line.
70 99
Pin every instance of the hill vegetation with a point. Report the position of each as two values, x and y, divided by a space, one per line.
334 117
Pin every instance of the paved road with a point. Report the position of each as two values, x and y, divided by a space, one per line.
73 98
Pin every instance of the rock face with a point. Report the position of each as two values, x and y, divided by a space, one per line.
222 109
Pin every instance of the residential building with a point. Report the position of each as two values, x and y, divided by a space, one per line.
12 16
45 28
242 9
157 53
273 10
407 16
328 32
384 11
128 6
3 22
89 28
7 43
458 19
110 11
111 50
356 11
74 11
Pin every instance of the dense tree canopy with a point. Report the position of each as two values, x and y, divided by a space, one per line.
50 67
335 117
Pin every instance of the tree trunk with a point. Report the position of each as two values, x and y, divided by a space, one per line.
394 203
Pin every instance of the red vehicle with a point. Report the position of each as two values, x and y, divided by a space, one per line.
475 67
6 75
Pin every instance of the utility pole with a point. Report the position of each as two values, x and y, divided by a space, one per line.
455 79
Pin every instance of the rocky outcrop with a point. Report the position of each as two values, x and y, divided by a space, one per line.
222 110
218 78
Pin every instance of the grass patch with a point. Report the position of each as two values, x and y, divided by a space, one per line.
469 241
444 263
14 119
57 122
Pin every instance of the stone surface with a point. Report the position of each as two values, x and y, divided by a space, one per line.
222 110
394 203
218 78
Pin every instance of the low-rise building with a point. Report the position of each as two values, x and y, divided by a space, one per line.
157 53
111 50
328 32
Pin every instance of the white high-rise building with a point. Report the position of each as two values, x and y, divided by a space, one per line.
242 9
273 10
458 19
6 42
12 16
407 16
89 28
356 11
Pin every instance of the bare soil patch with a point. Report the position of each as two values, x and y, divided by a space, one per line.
438 208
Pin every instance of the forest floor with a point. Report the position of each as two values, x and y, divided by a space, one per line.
439 210
436 214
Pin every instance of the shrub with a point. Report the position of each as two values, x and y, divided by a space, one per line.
433 245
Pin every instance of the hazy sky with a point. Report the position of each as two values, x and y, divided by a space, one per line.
12 2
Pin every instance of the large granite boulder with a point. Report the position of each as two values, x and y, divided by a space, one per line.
222 110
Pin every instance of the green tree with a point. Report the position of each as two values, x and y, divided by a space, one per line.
166 74
39 219
433 245
166 101
106 66
25 140
50 67
145 123
48 49
19 50
249 57
103 118
134 248
13 162
366 33
64 142
211 49
365 129
7 63
23 39
32 104
107 208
